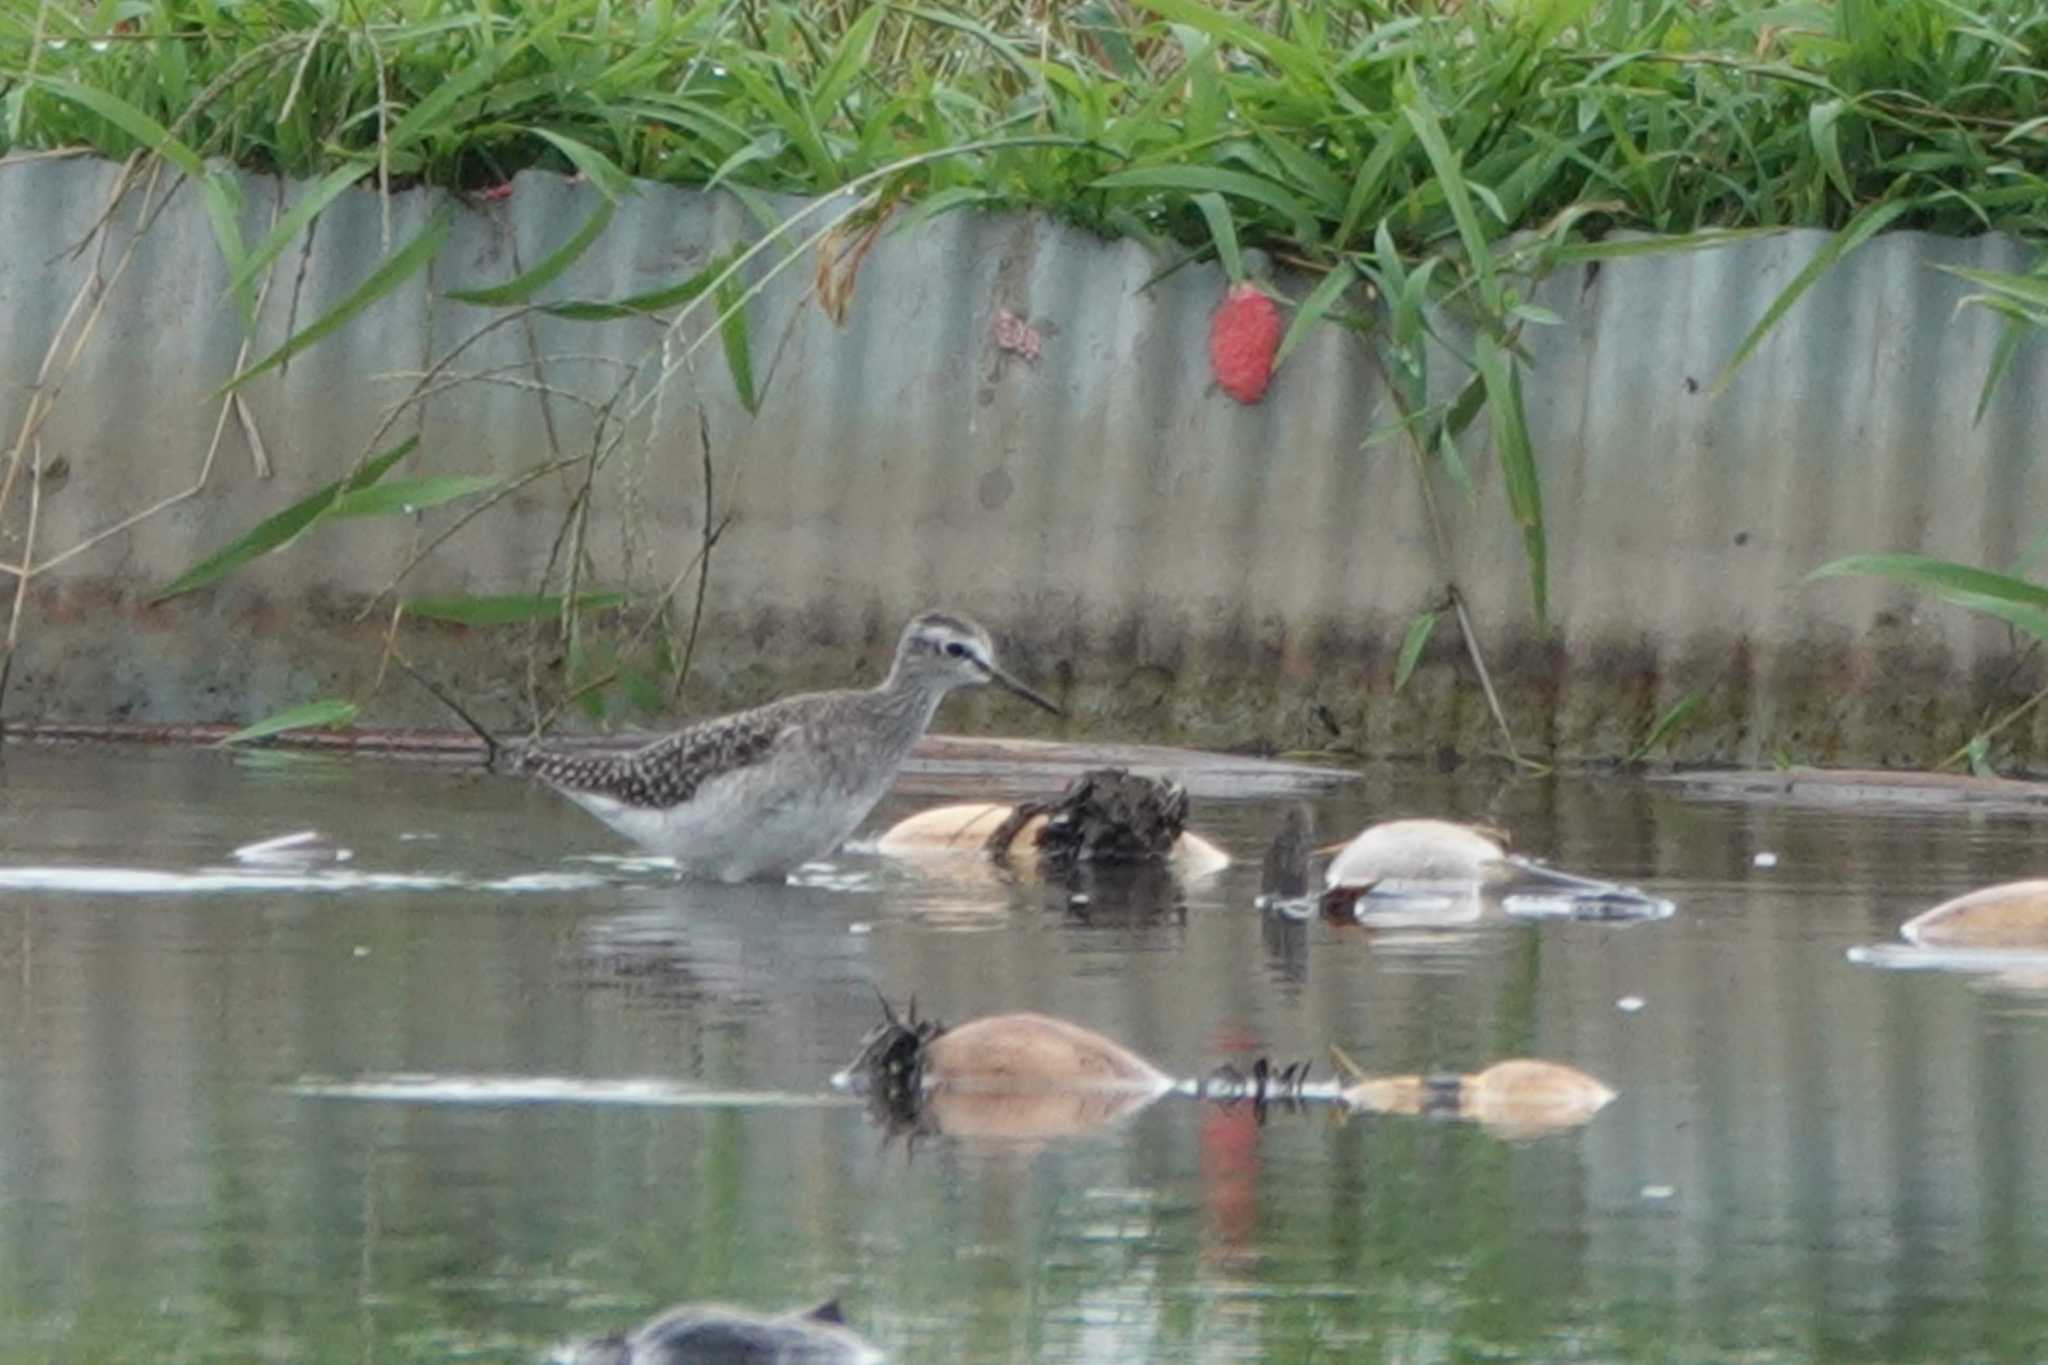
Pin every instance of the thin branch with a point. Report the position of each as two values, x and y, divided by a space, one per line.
711 535
28 547
2029 704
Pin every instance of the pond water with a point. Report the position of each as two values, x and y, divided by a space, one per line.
603 1091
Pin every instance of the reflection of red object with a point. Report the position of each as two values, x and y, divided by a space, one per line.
1230 1180
1230 1164
1243 337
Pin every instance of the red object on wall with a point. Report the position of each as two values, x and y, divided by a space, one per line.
1243 337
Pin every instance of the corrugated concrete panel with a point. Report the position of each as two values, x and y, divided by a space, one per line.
1185 567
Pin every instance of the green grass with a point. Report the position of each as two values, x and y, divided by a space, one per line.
1424 161
1316 121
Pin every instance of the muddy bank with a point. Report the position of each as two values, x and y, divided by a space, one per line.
1850 787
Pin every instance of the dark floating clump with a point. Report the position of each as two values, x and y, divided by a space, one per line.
1104 815
713 1334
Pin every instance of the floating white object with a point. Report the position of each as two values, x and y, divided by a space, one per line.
361 951
305 847
1658 1191
1629 1004
861 928
1764 860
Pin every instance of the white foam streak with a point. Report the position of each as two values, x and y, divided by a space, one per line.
421 1088
138 881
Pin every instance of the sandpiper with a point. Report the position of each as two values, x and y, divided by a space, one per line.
757 793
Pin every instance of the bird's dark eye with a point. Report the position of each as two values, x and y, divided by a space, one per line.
956 650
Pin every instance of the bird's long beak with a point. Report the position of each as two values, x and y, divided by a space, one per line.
1010 684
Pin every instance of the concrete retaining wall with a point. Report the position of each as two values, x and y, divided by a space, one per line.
1181 567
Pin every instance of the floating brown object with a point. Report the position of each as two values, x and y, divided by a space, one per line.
1519 1098
1008 1075
2013 915
1030 1076
1106 815
713 1334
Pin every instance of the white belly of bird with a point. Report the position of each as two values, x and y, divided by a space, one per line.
731 831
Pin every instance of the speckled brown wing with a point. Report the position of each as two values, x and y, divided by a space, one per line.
669 771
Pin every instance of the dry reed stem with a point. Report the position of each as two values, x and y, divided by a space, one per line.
28 569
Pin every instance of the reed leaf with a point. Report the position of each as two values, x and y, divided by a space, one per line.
276 532
404 496
1667 724
732 335
330 714
1413 641
1860 229
1518 464
397 268
1314 308
547 270
1958 582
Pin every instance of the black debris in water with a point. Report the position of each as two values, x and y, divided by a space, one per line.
1104 815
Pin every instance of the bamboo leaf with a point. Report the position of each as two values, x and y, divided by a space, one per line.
1300 63
1454 463
432 114
274 533
1940 576
1860 229
1313 308
1518 463
1625 248
129 120
989 38
506 609
1242 184
600 170
732 335
1371 180
1412 644
2032 620
796 124
1820 126
1411 309
2011 332
764 147
396 269
636 305
2029 291
1450 176
547 271
846 63
223 198
294 221
331 714
410 495
1673 717
1222 232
